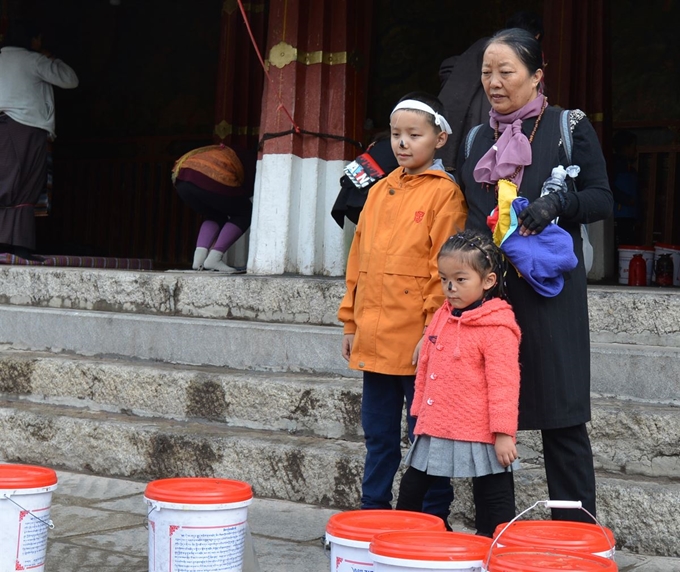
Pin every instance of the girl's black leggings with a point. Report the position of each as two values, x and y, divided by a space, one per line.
494 497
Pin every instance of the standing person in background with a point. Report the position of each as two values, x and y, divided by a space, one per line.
393 288
27 122
522 143
462 93
626 188
467 386
214 182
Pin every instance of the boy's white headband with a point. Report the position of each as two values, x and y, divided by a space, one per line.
439 120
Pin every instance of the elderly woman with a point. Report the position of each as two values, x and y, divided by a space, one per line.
522 143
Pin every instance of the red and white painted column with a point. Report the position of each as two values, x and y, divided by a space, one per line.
316 57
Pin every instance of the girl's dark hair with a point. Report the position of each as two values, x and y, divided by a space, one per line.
430 100
526 47
480 252
21 33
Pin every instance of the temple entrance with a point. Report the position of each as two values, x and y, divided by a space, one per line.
149 72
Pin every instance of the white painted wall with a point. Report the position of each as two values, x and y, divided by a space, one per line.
292 230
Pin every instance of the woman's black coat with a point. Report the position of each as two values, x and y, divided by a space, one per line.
555 347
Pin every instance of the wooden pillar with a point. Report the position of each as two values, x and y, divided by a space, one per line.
316 55
239 75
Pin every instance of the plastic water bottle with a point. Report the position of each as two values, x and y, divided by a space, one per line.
556 182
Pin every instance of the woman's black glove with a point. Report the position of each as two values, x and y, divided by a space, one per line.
541 212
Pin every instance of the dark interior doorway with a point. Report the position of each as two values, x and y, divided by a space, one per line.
148 73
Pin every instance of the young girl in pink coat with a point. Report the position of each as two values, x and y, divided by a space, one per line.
467 385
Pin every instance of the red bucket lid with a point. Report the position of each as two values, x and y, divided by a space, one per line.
557 534
635 247
198 490
26 477
667 246
431 545
363 525
537 560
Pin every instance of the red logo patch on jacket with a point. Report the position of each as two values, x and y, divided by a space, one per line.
419 216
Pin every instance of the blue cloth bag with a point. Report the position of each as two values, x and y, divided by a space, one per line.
541 259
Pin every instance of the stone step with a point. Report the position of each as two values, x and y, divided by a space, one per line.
642 512
644 316
296 404
638 371
628 437
624 370
235 344
618 314
306 469
284 299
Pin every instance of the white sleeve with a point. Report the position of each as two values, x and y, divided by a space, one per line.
56 72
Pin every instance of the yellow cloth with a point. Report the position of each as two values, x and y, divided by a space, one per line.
218 162
507 192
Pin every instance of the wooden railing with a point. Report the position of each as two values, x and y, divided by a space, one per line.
114 197
659 184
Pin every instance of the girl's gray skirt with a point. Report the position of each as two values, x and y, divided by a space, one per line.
448 458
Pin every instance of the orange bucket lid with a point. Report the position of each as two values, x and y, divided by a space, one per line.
26 477
537 560
667 246
363 525
198 490
431 545
557 534
635 247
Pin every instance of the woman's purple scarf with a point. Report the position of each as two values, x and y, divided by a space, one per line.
512 148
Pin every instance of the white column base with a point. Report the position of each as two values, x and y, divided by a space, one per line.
292 230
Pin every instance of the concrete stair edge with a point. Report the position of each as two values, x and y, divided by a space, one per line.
297 404
647 316
623 370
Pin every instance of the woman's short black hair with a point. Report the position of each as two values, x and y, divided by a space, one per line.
526 47
428 99
21 33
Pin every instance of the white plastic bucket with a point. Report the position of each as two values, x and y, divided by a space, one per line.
626 254
350 534
674 251
197 524
421 551
25 503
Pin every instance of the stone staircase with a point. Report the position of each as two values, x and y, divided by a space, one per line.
140 375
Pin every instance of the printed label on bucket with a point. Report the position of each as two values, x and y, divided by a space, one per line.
32 539
345 565
207 548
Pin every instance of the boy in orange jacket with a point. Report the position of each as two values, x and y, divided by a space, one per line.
393 288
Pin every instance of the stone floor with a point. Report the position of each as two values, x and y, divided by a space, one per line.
100 527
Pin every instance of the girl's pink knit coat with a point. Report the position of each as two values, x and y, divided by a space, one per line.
467 386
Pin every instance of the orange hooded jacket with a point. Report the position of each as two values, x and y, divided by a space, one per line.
393 286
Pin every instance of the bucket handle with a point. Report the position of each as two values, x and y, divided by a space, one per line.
148 514
547 504
48 523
